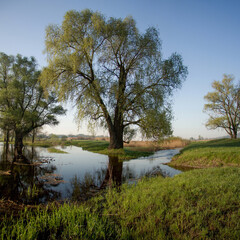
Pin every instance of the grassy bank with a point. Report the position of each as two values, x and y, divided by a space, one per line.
55 150
97 146
102 148
135 149
223 152
200 204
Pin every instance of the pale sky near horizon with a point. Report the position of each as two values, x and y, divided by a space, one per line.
205 32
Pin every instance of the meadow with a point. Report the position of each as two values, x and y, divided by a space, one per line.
204 154
199 204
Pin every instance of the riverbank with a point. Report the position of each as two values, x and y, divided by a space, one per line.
215 153
132 150
200 204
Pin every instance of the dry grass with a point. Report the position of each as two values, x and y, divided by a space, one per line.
174 143
170 143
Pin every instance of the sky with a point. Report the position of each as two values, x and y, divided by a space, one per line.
205 32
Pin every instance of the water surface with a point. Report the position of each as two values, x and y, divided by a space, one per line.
67 176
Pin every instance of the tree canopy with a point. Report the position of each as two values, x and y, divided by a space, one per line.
223 106
23 104
115 74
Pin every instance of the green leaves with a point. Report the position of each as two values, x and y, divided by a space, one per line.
23 105
223 106
113 73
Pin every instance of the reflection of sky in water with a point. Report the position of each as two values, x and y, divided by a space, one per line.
79 163
144 165
76 162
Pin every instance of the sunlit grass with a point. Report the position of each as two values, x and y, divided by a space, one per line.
200 204
102 148
55 150
223 152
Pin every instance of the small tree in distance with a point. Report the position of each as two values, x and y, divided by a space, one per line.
223 106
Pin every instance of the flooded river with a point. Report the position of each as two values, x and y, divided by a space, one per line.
78 174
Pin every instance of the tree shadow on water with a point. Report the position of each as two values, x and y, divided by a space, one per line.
91 184
21 181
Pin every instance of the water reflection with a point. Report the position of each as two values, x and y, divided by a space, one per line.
113 175
77 175
22 182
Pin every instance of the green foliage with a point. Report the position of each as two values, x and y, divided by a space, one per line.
200 204
223 152
224 106
115 74
23 105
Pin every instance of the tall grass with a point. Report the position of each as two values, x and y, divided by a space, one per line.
200 204
168 143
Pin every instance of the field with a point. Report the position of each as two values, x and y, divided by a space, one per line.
215 153
200 204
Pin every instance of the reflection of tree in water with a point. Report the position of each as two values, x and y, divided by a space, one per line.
82 188
90 184
113 175
7 152
23 182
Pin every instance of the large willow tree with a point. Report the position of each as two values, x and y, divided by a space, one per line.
114 73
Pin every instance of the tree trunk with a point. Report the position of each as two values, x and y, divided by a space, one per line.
234 136
116 132
116 139
18 148
235 132
33 136
7 142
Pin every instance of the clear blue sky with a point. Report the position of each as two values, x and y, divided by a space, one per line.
205 32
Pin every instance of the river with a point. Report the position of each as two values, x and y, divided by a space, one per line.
76 175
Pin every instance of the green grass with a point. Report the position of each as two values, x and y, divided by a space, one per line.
199 204
96 146
223 152
102 148
55 150
45 144
89 145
